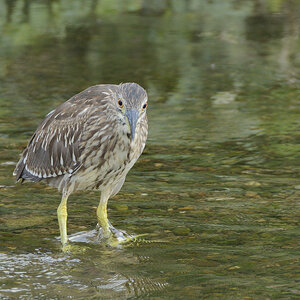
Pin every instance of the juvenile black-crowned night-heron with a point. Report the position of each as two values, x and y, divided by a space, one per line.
90 142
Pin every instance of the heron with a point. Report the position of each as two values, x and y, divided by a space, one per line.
90 142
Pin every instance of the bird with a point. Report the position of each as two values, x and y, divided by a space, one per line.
89 142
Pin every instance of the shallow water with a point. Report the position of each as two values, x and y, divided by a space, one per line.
214 199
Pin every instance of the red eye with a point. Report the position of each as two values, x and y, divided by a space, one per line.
145 106
120 103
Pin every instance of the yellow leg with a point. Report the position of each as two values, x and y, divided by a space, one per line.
102 213
62 219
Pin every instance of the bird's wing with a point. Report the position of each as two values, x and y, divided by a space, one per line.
54 149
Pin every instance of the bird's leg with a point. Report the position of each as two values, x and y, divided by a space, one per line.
114 235
62 219
102 213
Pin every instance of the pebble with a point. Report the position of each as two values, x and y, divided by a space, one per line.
251 194
253 183
186 208
120 207
181 231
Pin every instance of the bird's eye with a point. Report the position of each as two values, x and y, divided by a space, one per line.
145 106
120 103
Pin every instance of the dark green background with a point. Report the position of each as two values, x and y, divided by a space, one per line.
216 193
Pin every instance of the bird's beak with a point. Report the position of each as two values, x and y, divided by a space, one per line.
132 116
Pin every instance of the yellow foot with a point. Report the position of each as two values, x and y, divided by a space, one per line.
129 240
111 234
75 249
66 248
117 238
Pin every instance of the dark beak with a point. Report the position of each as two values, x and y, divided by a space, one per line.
132 116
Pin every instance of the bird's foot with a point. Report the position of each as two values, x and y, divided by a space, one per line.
71 248
66 248
112 236
120 235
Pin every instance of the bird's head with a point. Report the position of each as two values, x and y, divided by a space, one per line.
131 102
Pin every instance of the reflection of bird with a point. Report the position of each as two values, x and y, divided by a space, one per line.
90 142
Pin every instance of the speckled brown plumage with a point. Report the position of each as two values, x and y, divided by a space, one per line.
89 142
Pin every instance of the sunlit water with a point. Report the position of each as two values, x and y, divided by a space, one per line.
213 201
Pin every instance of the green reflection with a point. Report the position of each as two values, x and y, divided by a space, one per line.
216 193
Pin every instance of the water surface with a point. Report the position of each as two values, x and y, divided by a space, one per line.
215 196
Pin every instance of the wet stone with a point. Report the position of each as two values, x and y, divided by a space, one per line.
182 231
251 194
253 183
120 207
